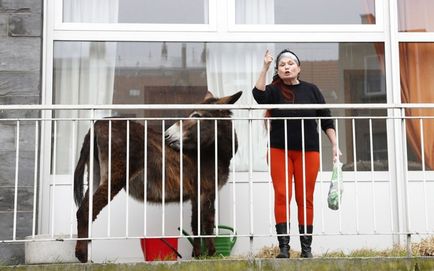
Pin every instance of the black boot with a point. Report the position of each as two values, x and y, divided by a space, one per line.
306 241
283 240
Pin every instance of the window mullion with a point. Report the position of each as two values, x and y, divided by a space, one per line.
58 12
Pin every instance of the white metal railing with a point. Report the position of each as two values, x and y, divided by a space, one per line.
376 204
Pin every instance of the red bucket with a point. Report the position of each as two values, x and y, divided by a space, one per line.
159 249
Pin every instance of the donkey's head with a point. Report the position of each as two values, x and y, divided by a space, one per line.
205 119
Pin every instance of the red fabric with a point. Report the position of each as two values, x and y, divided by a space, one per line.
295 168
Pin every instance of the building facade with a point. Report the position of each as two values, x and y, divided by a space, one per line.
104 52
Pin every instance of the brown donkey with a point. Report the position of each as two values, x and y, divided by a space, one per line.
154 169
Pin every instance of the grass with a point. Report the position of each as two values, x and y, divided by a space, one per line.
396 251
423 248
273 251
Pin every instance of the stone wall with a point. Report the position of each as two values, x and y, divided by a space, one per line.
20 83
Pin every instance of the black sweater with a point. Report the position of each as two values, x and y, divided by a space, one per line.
304 93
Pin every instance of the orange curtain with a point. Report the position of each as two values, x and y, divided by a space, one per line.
417 86
417 70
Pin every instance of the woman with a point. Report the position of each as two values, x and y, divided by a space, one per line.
287 88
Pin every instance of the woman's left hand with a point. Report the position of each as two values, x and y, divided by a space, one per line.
336 153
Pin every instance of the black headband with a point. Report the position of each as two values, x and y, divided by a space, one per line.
290 54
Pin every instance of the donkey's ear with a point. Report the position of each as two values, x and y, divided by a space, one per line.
230 99
208 95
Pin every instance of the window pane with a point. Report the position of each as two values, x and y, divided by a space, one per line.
417 86
416 15
136 11
173 73
305 12
124 73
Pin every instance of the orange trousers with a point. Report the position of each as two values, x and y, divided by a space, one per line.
295 169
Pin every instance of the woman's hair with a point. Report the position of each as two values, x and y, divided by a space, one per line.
287 93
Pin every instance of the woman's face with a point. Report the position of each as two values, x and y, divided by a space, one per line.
288 70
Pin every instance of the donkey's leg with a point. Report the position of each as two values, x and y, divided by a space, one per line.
208 222
82 229
99 202
194 218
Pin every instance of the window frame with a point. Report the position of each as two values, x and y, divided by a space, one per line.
221 18
220 28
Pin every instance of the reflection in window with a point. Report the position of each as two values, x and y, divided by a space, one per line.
416 15
165 73
176 73
417 86
136 11
365 129
305 12
124 73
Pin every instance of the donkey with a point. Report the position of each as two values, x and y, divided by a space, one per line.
191 159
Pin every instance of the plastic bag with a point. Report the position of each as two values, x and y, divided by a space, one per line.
336 189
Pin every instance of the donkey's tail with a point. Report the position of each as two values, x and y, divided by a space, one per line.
79 170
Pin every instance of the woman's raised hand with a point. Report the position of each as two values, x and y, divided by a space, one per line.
260 83
268 58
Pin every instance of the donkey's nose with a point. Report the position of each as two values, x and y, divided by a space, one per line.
174 145
168 139
167 136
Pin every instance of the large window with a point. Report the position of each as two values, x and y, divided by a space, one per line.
345 58
171 72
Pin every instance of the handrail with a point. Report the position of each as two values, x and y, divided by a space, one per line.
215 106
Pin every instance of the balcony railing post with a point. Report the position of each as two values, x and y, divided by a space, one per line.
251 234
405 194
